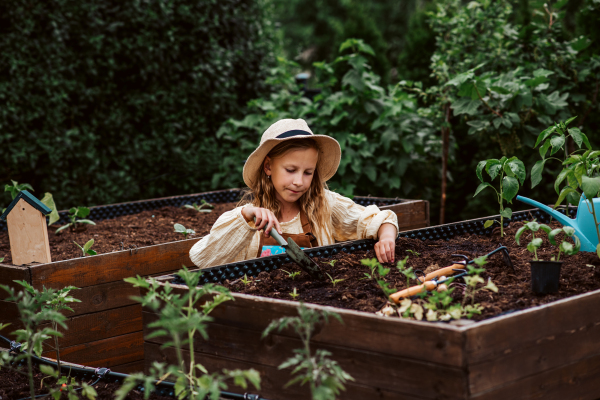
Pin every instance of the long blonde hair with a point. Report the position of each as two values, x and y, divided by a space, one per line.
313 203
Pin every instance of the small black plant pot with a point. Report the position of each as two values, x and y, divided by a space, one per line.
545 276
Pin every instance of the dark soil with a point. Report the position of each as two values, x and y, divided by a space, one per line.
579 274
144 229
15 386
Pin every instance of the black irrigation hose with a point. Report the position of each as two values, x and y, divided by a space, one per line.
162 388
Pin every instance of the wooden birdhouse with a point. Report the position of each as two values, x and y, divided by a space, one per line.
27 230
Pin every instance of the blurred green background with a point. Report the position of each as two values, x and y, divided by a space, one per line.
105 101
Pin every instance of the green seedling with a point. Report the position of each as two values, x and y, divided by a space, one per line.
87 248
183 320
181 229
414 253
1 259
17 187
334 281
331 263
77 216
324 376
535 243
245 280
294 294
204 206
71 387
292 275
407 272
378 273
510 171
474 284
564 246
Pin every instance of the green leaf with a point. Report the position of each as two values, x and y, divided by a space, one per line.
473 89
179 228
493 167
82 212
564 192
542 72
48 201
518 168
371 172
519 233
481 187
557 143
465 105
552 235
354 79
506 213
488 223
479 169
561 177
48 370
88 245
576 135
533 226
544 135
536 173
590 186
510 187
544 148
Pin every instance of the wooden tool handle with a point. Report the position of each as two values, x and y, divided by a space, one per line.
412 291
446 271
276 236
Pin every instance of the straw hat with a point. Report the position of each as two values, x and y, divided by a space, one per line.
287 129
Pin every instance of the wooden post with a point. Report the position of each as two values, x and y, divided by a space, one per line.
28 235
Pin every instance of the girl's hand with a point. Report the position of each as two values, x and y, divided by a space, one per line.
265 219
385 248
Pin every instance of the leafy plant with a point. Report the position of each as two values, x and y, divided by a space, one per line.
87 248
510 171
413 252
535 243
77 216
331 262
407 272
474 284
292 275
17 187
67 385
181 229
334 281
180 318
204 206
565 246
34 310
245 280
324 376
378 273
294 294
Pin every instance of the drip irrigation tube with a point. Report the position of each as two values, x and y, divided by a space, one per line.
163 388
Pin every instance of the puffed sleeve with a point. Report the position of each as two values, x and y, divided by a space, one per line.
351 221
230 239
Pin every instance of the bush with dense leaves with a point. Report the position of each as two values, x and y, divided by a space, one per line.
109 100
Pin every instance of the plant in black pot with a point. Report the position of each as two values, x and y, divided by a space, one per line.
545 275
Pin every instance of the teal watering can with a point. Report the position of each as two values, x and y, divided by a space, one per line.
583 225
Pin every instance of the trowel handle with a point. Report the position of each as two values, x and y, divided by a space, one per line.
412 291
446 271
276 236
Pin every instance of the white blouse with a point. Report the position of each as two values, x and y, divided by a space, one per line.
233 239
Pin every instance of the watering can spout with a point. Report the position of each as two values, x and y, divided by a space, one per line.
560 217
584 224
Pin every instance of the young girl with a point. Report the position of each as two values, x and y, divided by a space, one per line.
286 175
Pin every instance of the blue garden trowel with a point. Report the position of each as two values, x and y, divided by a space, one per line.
584 226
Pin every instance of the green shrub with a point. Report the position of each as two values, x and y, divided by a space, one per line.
107 100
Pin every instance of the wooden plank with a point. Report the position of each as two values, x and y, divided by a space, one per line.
111 267
10 273
496 336
367 367
438 343
551 352
109 352
103 297
130 368
28 234
580 380
273 380
101 325
412 214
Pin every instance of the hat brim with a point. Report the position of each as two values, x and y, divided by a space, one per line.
330 155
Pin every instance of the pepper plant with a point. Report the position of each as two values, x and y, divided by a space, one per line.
87 248
181 317
535 243
77 216
324 376
511 172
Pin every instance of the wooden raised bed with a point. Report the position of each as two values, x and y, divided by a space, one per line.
106 328
546 352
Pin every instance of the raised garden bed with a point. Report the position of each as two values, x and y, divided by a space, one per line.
106 328
545 347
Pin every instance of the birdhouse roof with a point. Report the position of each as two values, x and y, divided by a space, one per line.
29 198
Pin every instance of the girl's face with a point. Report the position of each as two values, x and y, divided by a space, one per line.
292 173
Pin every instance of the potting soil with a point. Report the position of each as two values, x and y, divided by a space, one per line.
579 274
128 231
